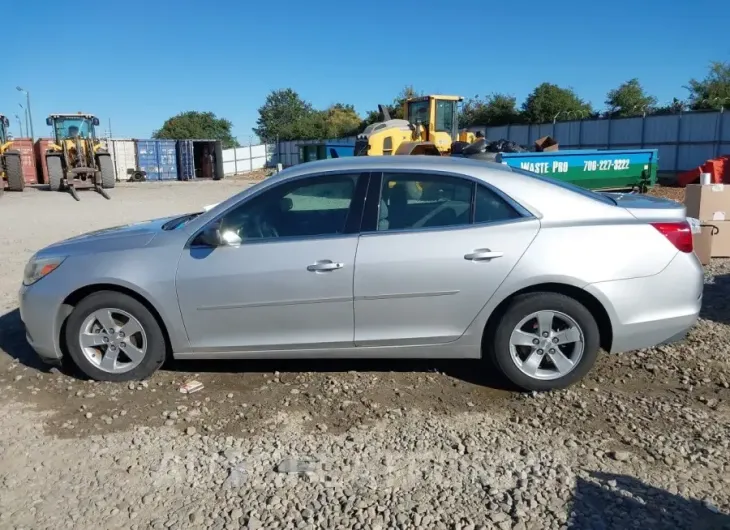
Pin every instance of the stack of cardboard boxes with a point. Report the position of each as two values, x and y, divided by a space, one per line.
710 204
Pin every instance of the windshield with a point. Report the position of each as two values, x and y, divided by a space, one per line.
418 111
73 127
600 197
172 224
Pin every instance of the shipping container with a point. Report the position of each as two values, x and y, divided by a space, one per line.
167 151
191 159
323 151
27 159
124 157
39 150
148 158
158 158
594 169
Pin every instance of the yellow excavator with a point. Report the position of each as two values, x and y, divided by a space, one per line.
76 159
11 169
431 127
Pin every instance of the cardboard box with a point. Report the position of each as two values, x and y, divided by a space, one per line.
713 241
702 243
546 143
710 202
720 238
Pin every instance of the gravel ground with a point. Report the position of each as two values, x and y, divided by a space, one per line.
668 192
642 443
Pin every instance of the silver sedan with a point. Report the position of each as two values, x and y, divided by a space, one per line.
397 257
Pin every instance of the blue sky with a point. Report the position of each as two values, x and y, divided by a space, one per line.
137 62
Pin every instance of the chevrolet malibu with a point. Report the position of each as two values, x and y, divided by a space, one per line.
388 257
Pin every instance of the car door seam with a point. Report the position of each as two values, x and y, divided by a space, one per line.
275 304
407 295
506 276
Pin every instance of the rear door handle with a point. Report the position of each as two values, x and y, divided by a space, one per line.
483 254
324 265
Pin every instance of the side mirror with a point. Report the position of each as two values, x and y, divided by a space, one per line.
213 237
95 121
49 121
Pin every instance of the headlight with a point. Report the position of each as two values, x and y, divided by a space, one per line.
37 268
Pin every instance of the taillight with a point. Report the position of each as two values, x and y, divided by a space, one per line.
679 234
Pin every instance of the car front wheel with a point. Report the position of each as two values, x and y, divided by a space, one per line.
113 337
545 341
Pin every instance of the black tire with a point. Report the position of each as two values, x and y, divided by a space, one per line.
108 181
55 172
14 171
523 306
138 176
156 346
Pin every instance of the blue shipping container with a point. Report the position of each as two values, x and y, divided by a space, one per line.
158 158
186 164
167 151
147 158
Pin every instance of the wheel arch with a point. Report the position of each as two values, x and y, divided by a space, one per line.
594 306
79 294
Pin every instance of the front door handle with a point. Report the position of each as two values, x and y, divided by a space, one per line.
324 266
483 254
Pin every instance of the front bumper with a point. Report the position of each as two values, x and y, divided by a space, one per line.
40 315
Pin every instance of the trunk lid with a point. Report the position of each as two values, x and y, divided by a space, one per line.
648 208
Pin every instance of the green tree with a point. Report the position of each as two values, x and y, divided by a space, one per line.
395 108
548 101
311 126
672 108
495 109
629 99
280 115
194 124
713 91
342 120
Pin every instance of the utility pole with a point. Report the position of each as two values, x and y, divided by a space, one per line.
25 113
20 125
27 108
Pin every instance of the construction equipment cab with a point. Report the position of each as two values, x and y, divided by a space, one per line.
430 127
76 158
11 169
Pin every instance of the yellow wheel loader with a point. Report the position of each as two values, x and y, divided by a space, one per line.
11 169
431 128
76 159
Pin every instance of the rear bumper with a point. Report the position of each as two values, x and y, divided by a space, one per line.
659 309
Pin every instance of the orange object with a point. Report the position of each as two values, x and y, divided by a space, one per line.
27 160
718 168
39 150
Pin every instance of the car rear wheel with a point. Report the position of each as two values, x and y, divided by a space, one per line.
545 341
113 337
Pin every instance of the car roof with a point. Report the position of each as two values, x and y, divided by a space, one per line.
385 163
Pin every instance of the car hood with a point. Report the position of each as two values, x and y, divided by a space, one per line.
123 237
